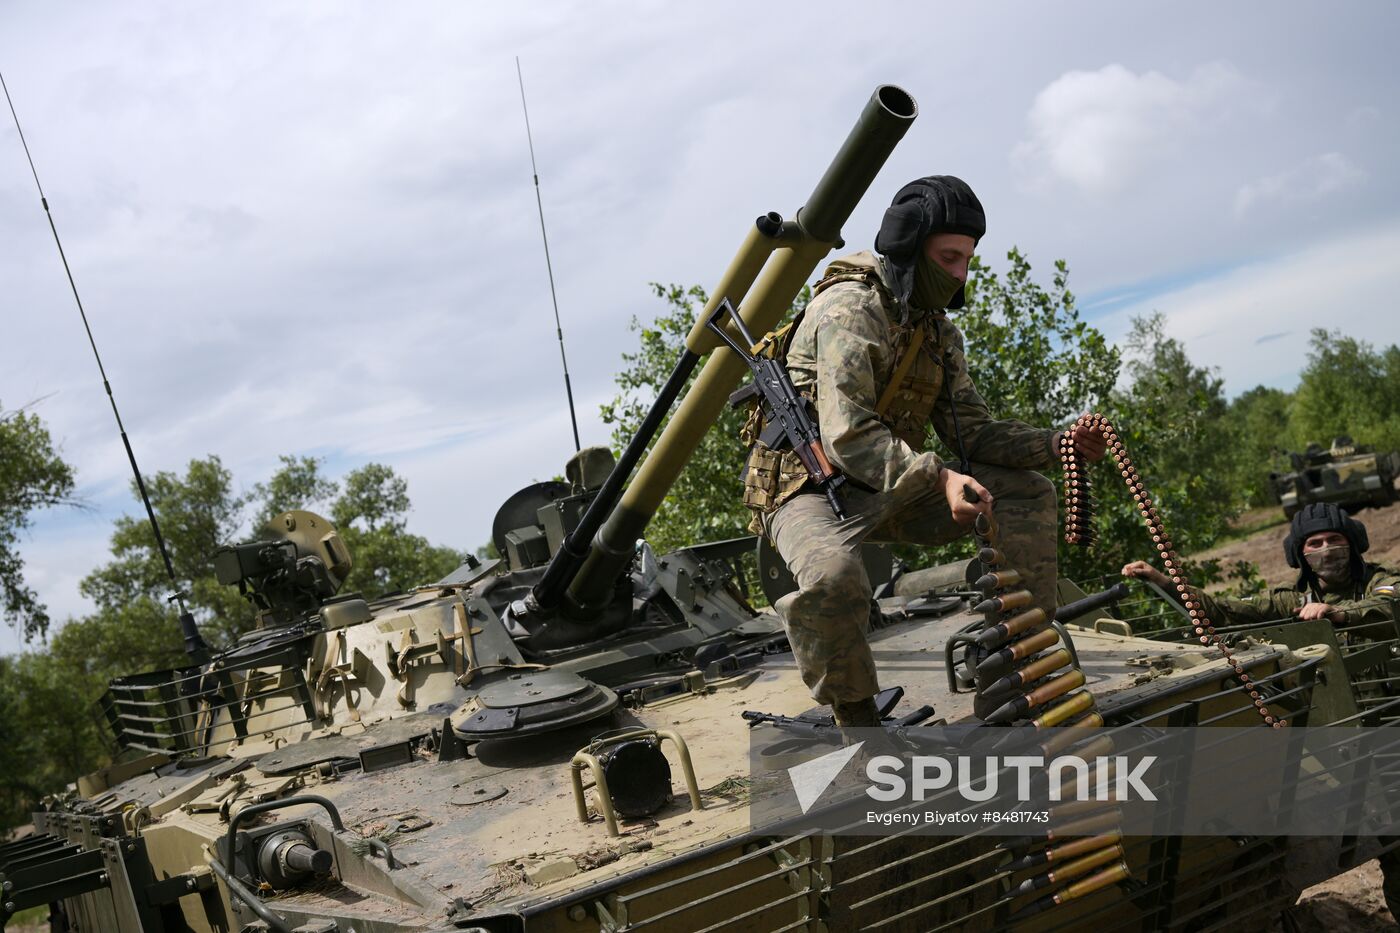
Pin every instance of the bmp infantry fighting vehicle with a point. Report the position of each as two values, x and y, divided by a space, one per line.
1350 476
553 740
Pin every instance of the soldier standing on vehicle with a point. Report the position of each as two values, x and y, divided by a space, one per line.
1334 583
876 352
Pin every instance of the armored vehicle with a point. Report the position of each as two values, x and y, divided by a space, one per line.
1350 476
553 740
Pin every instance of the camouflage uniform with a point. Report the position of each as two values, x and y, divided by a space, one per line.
1362 606
844 353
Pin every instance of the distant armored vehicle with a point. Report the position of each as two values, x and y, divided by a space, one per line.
1352 477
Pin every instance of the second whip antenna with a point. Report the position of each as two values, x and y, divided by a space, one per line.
539 202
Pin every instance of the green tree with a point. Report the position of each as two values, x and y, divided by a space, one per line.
1033 358
32 477
1261 430
1171 416
17 784
48 714
1348 387
297 484
50 730
371 515
197 512
706 502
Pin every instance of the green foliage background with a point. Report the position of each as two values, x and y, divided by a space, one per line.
32 477
1204 458
49 724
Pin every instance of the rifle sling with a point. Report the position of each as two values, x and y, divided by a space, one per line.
901 370
773 435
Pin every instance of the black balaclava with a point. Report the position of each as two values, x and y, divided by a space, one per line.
936 204
1324 516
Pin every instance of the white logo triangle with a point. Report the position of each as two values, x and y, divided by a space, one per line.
811 778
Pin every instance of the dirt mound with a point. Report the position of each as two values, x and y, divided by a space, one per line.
1263 547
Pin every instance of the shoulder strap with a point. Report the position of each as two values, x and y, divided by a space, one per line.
774 344
901 370
839 272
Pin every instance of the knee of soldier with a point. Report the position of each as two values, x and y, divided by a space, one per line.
1040 486
1027 486
838 583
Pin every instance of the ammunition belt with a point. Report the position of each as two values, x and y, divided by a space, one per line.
1079 531
1027 676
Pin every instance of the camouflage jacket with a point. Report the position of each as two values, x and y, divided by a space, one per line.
1366 607
844 353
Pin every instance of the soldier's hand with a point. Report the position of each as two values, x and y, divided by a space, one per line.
1310 611
1089 444
1142 570
963 509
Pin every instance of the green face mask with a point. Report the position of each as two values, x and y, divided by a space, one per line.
934 287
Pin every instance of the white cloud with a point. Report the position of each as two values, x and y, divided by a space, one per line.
311 229
1253 323
1308 181
1103 130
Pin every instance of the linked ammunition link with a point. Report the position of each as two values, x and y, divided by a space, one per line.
1026 675
1022 670
1079 530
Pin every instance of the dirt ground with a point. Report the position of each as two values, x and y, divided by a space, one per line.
1265 546
1352 901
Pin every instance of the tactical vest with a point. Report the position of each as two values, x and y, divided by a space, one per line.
907 397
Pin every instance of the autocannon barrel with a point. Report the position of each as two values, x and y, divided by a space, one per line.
1088 604
771 267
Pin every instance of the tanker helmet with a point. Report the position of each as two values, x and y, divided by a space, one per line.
1318 517
936 204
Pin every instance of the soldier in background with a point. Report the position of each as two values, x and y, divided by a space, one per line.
1334 582
877 353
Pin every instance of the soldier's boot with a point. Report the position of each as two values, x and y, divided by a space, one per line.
854 715
858 713
860 722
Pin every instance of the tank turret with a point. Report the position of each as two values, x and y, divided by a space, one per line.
297 563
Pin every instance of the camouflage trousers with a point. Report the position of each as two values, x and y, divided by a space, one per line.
827 618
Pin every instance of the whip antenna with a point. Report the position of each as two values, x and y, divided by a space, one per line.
568 388
194 642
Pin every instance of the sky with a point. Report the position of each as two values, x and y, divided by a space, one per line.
311 228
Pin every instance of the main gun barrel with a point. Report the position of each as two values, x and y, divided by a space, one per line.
781 260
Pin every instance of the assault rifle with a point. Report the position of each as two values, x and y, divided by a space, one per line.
788 423
826 729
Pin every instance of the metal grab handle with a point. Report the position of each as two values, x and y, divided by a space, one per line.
587 759
381 848
255 809
713 322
